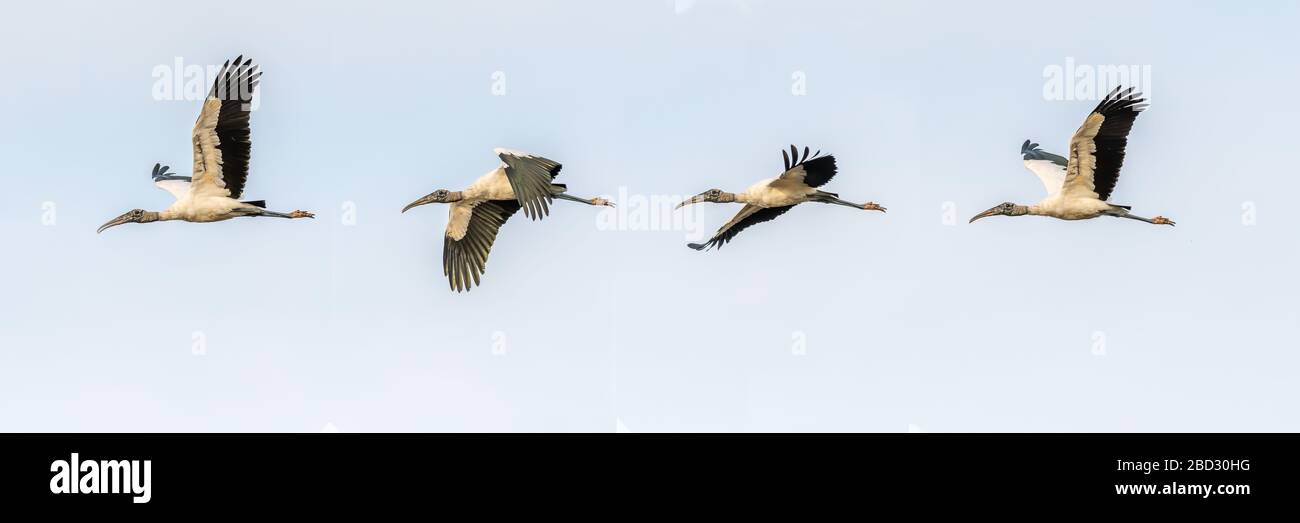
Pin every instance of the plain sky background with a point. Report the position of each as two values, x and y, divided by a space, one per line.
904 321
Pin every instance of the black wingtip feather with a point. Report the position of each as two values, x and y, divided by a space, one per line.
1119 109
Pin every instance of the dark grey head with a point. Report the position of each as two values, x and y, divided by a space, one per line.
438 196
1003 209
711 195
131 216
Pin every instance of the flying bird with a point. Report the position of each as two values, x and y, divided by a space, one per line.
222 143
1077 189
522 181
772 197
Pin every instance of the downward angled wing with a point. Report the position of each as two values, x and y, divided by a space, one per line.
812 171
1097 148
471 231
222 141
530 179
1049 167
749 215
178 186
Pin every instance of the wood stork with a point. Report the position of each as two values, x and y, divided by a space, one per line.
221 151
772 197
1077 189
478 212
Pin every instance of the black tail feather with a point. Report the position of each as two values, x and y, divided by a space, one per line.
261 204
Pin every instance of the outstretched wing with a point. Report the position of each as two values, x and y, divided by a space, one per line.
222 141
471 231
530 178
1049 168
1097 148
177 186
749 215
813 171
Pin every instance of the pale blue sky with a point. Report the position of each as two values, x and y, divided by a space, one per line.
907 321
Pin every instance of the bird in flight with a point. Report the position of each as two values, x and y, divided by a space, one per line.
772 197
1077 189
522 181
222 144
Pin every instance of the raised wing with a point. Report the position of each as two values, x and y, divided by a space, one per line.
222 141
1049 168
813 171
530 179
748 215
471 231
1097 148
178 186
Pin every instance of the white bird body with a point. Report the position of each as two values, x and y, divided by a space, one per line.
200 202
492 186
204 208
1067 208
776 192
1076 203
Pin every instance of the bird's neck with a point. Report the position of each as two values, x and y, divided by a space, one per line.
1033 210
150 216
738 198
455 196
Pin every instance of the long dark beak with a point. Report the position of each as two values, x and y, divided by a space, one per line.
991 212
125 218
422 201
694 199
